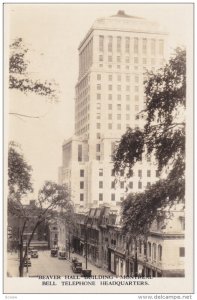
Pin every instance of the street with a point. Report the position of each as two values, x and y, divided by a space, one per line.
47 265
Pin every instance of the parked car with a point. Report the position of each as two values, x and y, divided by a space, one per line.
77 267
86 273
62 255
34 253
74 259
54 252
27 262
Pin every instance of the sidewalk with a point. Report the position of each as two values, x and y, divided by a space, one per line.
95 270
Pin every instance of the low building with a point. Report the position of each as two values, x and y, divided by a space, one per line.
98 235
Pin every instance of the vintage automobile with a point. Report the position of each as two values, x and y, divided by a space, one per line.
62 254
27 261
86 273
34 253
77 267
54 252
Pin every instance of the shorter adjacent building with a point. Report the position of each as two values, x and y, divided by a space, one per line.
98 236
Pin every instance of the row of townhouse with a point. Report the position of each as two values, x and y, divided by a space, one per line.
98 235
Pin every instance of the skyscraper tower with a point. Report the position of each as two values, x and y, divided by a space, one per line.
113 59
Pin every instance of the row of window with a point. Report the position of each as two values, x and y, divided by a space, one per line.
119 77
135 60
127 44
82 172
119 97
122 185
119 88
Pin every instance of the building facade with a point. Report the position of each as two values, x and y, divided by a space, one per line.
113 59
161 254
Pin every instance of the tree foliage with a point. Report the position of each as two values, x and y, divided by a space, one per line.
163 136
19 174
19 77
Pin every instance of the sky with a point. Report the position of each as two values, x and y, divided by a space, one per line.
52 32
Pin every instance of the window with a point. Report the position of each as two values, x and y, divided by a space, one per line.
98 87
110 39
119 87
135 45
161 47
101 43
101 58
148 184
113 197
100 172
154 251
79 152
119 77
98 76
144 61
153 47
127 88
109 116
127 107
157 173
160 252
112 172
118 106
122 184
98 157
148 173
98 147
136 98
98 106
145 249
98 135
81 184
81 173
118 59
119 97
109 58
149 249
81 197
119 117
136 60
127 44
136 107
98 96
182 221
139 173
100 184
139 185
127 60
128 97
131 184
110 106
148 158
136 88
113 184
127 117
110 77
98 116
118 44
110 87
127 78
118 126
109 96
109 125
98 125
100 197
121 172
144 46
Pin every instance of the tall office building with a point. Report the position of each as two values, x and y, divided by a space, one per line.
113 59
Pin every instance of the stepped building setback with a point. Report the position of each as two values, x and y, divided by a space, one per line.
113 59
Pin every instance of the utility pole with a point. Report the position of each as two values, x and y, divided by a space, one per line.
86 247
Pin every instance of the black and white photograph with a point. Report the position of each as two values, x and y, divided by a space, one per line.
98 148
